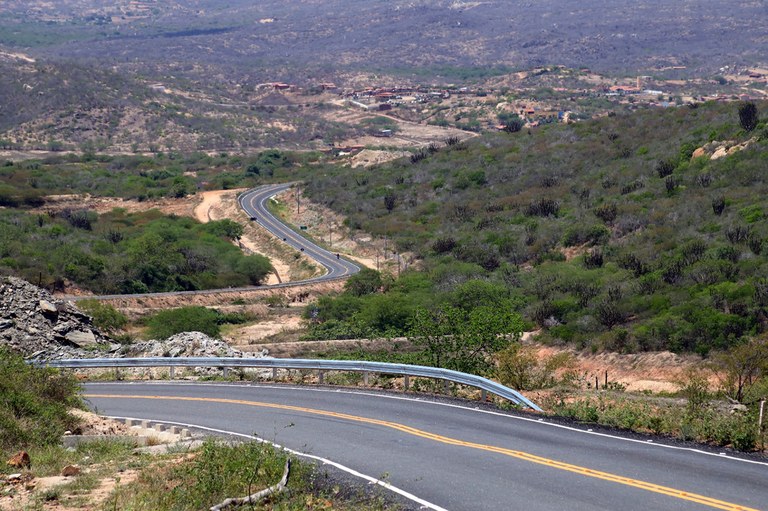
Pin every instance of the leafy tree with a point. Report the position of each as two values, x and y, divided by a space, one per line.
463 341
748 116
514 125
255 268
225 228
390 201
170 322
365 282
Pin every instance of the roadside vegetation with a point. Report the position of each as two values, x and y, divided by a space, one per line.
118 252
605 234
34 403
26 183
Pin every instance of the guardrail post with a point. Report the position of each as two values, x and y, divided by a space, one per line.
274 374
320 375
407 382
446 386
365 378
483 395
172 373
226 372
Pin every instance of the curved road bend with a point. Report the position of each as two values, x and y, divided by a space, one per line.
254 203
452 456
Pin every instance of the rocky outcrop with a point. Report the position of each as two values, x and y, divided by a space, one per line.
35 324
186 344
719 149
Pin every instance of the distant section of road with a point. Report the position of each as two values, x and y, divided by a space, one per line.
254 202
453 457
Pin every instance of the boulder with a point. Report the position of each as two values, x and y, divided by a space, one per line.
47 307
81 338
20 460
70 471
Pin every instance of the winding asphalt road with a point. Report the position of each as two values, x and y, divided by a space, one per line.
254 202
447 456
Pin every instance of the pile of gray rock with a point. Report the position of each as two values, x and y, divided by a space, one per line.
186 344
40 327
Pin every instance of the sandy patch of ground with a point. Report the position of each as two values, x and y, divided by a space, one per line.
370 157
408 133
250 335
209 202
654 371
91 424
182 207
297 294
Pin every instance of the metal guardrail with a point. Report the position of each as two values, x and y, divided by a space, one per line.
484 384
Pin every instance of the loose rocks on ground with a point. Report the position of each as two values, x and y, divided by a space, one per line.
39 326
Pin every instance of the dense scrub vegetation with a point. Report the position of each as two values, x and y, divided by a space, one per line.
34 404
125 253
27 183
604 233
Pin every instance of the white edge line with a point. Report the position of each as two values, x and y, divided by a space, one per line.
451 405
372 480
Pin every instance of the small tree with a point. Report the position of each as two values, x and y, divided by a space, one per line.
514 125
521 368
742 367
390 201
365 282
256 267
461 340
748 117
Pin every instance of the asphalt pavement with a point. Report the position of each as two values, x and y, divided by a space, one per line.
451 456
254 203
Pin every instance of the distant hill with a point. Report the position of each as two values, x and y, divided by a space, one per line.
67 105
272 38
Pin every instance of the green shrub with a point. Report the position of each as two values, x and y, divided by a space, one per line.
104 315
34 404
170 322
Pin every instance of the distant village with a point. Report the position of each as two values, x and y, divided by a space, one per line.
642 90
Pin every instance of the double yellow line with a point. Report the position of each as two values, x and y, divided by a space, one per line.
605 476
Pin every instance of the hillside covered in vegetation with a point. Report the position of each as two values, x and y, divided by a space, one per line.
621 233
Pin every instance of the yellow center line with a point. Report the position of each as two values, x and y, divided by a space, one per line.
606 476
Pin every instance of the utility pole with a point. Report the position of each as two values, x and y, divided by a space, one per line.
298 200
